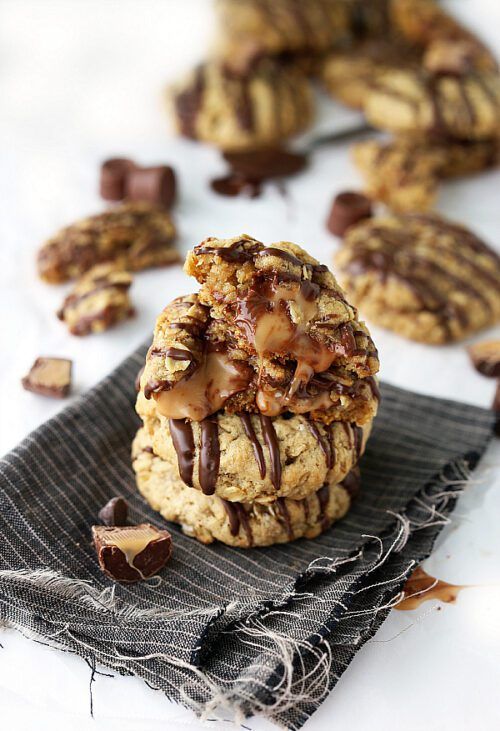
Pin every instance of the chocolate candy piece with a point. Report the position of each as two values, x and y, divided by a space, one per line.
485 358
113 175
348 208
115 512
154 185
133 552
266 163
49 377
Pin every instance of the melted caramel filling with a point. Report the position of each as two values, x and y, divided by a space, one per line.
205 391
276 322
131 543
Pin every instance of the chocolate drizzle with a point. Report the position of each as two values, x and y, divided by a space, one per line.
238 517
181 432
352 483
208 465
188 103
271 441
323 496
325 442
256 445
284 516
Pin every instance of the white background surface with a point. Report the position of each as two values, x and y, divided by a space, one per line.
82 80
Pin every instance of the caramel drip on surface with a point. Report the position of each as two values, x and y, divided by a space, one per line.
238 517
323 496
271 441
256 445
284 516
324 442
181 432
420 587
208 465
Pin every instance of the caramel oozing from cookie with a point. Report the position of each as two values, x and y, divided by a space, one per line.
206 390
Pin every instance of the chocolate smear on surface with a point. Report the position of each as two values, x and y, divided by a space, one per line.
420 587
181 432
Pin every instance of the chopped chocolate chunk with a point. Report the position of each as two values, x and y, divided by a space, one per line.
115 512
485 358
348 208
266 163
49 377
113 175
133 552
250 169
99 300
155 185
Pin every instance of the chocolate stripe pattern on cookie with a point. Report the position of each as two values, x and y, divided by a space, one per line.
271 440
181 432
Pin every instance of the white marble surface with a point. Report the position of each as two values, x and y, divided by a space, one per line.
81 80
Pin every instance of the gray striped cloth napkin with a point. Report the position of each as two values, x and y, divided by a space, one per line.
227 632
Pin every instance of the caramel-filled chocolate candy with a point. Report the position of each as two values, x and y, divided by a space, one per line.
49 377
115 512
113 175
485 358
347 209
154 185
133 552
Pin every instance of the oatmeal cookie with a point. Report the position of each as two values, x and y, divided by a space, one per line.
405 173
244 525
425 23
99 300
349 73
133 236
257 107
249 457
462 106
422 276
195 366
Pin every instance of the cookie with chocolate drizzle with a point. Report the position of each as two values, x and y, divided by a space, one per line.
254 458
422 276
196 366
257 107
405 173
241 524
134 236
464 105
285 311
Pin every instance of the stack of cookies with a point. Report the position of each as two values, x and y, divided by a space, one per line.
257 398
